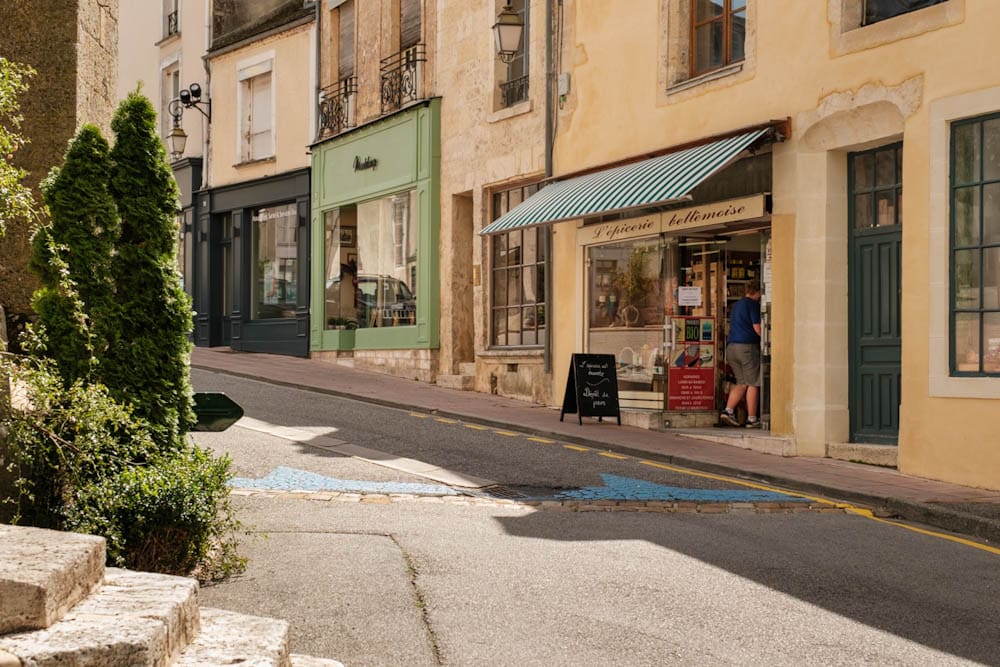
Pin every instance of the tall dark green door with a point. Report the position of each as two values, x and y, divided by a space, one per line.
875 197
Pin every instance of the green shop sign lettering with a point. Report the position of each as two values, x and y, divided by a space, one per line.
367 163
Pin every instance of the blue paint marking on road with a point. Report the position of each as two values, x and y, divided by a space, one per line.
290 479
625 488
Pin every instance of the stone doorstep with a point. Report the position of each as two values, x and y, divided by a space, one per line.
133 618
460 382
879 455
228 638
43 574
753 440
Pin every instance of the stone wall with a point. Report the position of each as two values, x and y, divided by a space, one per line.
73 47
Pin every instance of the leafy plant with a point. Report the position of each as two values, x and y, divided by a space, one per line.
16 202
632 282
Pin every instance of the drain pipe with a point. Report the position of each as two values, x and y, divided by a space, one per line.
550 80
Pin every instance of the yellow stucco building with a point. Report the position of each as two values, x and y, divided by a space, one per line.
844 153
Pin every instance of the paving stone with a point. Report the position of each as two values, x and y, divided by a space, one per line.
133 618
9 660
228 638
43 573
309 661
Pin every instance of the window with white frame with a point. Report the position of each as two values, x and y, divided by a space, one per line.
171 17
170 86
257 115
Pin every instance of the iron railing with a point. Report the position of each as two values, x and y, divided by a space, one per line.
172 27
514 91
336 107
401 77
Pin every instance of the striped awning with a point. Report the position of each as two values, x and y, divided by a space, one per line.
659 180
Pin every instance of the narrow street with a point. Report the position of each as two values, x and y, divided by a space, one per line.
373 570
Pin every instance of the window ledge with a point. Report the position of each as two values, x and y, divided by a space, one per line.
261 160
169 38
507 352
720 73
509 112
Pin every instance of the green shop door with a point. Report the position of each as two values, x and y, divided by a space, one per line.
874 179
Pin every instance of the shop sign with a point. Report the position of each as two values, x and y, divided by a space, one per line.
367 163
715 213
609 232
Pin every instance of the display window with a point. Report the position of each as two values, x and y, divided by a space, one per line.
275 269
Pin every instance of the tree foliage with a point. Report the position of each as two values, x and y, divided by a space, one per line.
149 362
16 202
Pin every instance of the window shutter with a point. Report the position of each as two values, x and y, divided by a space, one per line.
346 55
260 116
409 23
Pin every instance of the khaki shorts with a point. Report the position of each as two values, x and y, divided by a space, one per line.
744 359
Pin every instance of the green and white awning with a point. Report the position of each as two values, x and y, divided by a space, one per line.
657 181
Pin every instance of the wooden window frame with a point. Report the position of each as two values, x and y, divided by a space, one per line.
726 18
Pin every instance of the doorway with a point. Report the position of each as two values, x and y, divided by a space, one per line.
875 336
224 265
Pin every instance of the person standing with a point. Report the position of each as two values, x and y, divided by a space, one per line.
743 355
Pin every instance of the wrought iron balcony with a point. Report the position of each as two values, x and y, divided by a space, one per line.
172 26
336 107
401 77
514 91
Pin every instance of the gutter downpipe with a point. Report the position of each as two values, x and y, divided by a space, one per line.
319 63
549 145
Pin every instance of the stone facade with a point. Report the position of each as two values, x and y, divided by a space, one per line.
73 46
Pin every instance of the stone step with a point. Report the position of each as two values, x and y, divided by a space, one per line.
43 573
309 661
461 382
133 618
228 638
467 368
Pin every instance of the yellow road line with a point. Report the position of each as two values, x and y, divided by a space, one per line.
852 509
445 420
612 455
476 427
577 448
509 434
418 415
542 440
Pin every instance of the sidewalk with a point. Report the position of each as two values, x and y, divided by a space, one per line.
955 508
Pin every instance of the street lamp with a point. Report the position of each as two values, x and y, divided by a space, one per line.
186 99
507 33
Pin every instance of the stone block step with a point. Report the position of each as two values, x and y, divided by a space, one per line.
43 573
133 618
461 382
467 368
228 638
309 661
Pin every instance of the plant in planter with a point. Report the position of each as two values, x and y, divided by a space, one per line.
633 285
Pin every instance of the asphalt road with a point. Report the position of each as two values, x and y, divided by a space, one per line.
426 580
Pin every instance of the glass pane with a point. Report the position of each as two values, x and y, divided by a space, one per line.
991 213
528 334
991 342
707 9
708 47
991 278
967 156
514 248
499 250
863 212
967 216
275 230
540 282
991 150
738 36
530 246
738 4
967 342
529 283
864 171
499 288
514 326
516 194
885 168
967 279
514 286
540 316
499 327
885 205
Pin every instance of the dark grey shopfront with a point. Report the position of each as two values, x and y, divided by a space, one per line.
250 265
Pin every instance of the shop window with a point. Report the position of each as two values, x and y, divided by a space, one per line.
975 246
256 119
370 255
514 87
880 10
718 34
518 278
170 86
275 254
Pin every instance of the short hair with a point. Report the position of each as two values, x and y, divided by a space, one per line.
752 287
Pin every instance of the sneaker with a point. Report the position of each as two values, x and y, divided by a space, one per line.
753 423
728 418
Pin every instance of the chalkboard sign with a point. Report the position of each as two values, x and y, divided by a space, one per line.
592 388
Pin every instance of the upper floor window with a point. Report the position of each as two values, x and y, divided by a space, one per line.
345 41
170 87
880 10
401 73
256 118
975 246
514 88
171 15
718 34
409 23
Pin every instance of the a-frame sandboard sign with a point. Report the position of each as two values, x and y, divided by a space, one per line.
592 388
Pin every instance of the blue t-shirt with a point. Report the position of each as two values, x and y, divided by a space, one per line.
744 315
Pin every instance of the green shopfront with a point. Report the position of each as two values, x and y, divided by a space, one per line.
375 221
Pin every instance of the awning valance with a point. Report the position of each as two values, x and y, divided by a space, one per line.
656 181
